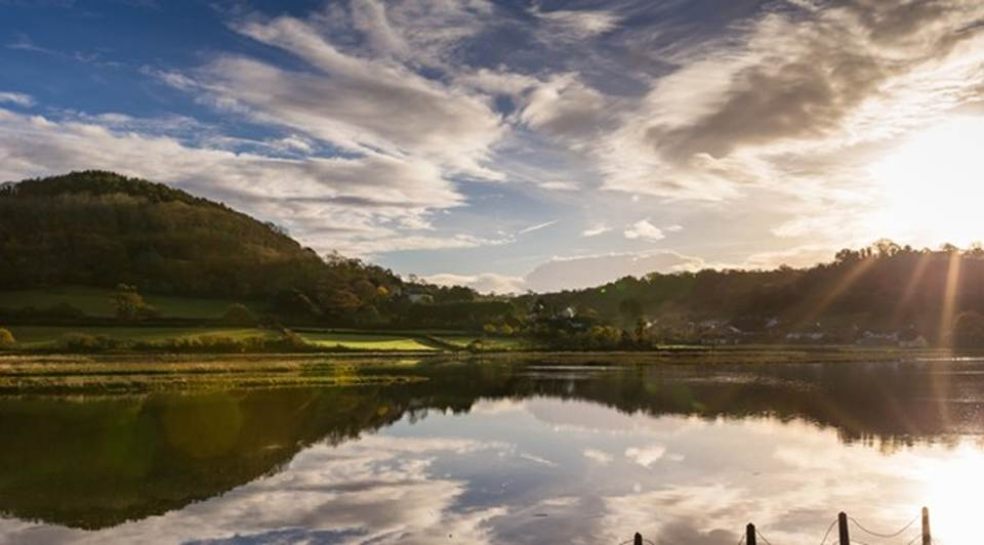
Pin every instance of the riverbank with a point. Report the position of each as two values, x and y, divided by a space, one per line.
27 374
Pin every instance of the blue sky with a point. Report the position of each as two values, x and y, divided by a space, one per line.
519 145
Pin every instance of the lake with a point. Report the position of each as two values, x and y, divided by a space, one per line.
510 452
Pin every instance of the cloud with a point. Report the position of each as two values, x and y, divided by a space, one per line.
496 82
537 227
800 256
598 456
17 99
576 24
483 283
595 230
375 489
646 456
357 106
796 100
644 230
355 205
566 108
559 185
595 270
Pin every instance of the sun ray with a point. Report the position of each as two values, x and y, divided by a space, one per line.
844 284
912 286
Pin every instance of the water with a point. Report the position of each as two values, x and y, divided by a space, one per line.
512 453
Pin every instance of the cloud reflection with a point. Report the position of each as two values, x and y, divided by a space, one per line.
551 471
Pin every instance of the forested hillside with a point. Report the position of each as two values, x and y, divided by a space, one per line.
883 288
100 229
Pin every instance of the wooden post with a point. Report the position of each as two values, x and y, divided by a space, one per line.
927 539
845 538
637 540
750 534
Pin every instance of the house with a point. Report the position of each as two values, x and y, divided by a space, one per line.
870 338
420 298
918 342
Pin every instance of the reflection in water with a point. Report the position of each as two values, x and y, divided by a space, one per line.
505 453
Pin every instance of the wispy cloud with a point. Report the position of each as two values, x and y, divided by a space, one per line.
18 99
537 227
597 229
353 205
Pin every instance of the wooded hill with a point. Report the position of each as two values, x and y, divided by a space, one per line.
101 229
883 288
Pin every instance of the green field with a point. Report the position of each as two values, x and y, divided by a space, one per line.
125 374
99 302
365 341
50 337
39 337
462 341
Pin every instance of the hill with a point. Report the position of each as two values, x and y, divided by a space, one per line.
886 289
101 229
95 230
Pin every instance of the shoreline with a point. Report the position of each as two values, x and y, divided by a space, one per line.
135 373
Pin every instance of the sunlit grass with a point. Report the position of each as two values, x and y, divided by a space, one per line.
98 302
80 374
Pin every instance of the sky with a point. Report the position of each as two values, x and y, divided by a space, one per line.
516 145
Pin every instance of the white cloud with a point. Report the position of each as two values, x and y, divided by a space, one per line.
576 24
352 205
598 456
644 230
646 456
17 99
483 283
566 108
496 82
537 227
797 101
595 230
559 185
595 270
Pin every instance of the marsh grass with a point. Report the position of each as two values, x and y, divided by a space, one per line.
79 374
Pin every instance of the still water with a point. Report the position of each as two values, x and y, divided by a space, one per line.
522 452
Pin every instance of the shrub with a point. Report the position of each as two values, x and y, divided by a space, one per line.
83 342
239 315
968 330
130 305
7 339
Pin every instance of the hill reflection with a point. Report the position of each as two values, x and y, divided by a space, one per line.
98 462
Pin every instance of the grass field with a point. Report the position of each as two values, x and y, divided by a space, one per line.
49 337
365 341
129 374
99 302
37 337
488 343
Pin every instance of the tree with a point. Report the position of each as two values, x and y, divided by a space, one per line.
630 309
240 315
7 339
130 305
968 330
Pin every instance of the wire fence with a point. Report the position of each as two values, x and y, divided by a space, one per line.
920 534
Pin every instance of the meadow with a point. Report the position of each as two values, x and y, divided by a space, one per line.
98 302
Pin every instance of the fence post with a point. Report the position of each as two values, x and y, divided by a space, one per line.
845 538
750 534
637 540
926 538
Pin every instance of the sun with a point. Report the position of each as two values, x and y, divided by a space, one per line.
929 190
954 492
